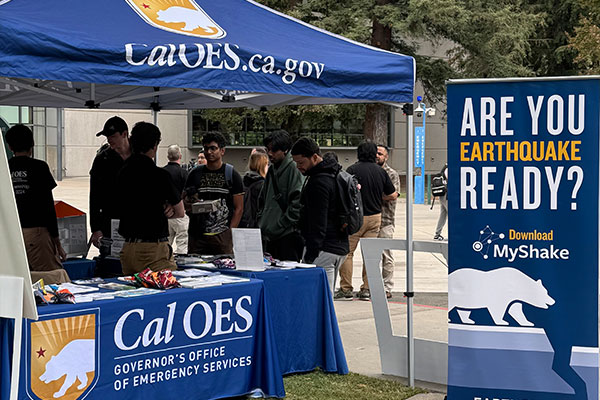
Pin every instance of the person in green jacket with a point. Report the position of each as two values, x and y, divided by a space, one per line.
279 200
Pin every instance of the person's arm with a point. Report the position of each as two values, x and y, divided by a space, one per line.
96 199
176 211
294 190
390 197
315 219
238 210
59 249
52 223
389 191
173 207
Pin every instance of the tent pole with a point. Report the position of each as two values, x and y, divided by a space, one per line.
409 251
59 144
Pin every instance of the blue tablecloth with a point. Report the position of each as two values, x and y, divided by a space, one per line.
80 268
304 320
181 344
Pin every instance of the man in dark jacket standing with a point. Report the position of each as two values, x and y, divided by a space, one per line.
103 178
280 200
326 243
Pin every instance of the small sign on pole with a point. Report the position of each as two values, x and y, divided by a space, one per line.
419 165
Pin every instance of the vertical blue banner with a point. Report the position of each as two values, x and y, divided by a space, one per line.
420 163
523 255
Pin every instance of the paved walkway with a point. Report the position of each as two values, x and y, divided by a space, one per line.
355 317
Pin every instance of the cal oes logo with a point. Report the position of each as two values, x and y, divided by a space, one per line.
63 356
179 16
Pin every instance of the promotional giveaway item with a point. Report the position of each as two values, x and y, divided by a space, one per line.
523 239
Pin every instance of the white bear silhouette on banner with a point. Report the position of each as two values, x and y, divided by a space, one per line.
495 290
75 360
193 19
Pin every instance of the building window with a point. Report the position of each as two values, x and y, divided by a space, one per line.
329 126
43 121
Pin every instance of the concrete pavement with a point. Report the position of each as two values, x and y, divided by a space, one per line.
355 317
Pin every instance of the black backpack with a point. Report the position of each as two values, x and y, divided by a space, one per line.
350 201
439 185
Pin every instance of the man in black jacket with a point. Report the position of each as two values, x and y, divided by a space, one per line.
326 243
103 178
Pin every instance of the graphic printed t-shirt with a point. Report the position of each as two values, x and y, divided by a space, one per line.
212 185
33 184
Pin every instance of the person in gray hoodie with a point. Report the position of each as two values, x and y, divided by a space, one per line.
279 201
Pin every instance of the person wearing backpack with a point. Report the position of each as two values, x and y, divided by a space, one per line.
210 232
279 200
325 238
441 191
375 187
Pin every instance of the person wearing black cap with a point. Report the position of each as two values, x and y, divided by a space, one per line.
109 160
147 197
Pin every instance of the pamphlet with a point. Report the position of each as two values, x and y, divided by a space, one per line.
77 289
247 249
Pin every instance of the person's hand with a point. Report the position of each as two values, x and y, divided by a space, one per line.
61 253
169 211
96 236
59 249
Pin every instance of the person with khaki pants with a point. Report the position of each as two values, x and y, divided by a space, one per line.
148 197
369 229
32 183
375 187
388 216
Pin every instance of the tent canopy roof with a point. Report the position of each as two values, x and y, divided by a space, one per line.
182 54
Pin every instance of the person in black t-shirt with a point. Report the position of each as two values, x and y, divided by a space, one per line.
103 177
375 187
210 232
147 197
178 227
33 184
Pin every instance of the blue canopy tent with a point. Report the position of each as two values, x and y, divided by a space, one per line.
185 54
182 54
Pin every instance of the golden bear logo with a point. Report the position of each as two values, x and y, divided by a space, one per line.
179 16
63 357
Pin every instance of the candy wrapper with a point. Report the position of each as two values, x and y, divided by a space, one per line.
40 298
224 263
63 297
158 280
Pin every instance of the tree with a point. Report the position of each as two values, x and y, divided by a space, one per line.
488 39
550 55
586 39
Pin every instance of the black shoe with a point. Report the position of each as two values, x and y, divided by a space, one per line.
438 237
343 295
364 294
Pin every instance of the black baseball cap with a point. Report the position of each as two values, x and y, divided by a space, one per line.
113 125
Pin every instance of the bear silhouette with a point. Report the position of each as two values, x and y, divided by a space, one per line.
75 360
495 290
193 19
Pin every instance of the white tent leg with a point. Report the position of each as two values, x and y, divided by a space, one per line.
12 288
409 252
59 145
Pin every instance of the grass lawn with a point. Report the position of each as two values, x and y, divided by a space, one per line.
318 385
